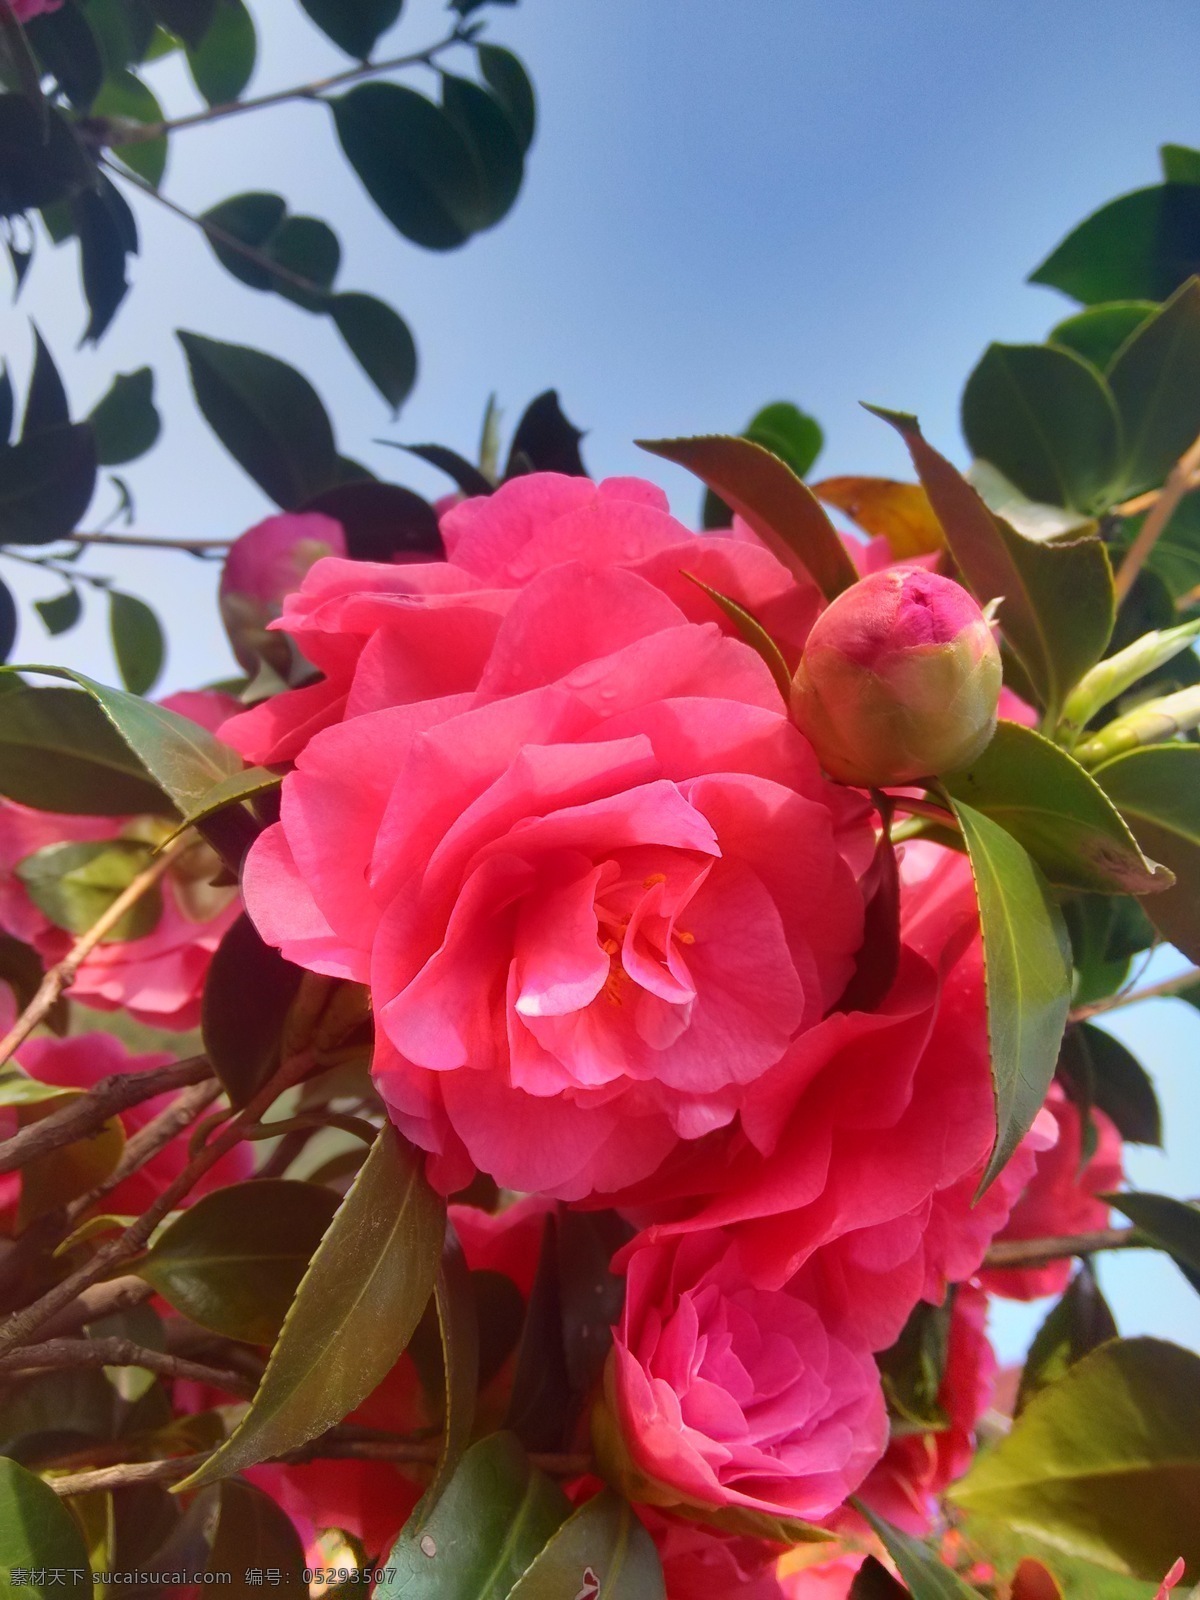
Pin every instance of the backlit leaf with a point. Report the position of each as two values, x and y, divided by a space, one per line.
223 62
897 512
601 1550
354 25
1077 1324
1141 246
1155 381
59 752
1172 1224
137 641
37 1532
1098 333
1157 791
927 1576
509 82
74 884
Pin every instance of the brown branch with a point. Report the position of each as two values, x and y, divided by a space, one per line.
149 541
1152 991
1039 1252
148 1141
68 1354
91 1110
62 975
96 1301
1160 513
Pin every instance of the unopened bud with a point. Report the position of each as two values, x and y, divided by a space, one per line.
265 564
899 680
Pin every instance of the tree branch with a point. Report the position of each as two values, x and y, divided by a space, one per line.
151 541
1040 1252
1152 991
68 1354
1160 513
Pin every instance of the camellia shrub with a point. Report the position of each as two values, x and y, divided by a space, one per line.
529 1091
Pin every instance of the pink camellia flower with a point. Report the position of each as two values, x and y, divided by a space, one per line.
1061 1198
829 1577
158 977
264 566
702 1563
722 1394
26 10
899 679
598 893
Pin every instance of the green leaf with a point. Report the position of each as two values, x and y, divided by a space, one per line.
496 1515
1180 164
1061 816
1155 380
1077 1324
1157 791
1027 971
74 884
41 160
545 440
233 1260
413 162
540 1399
137 641
251 218
60 1176
8 621
458 1326
254 1532
1110 678
1140 247
244 1042
873 1581
222 64
124 96
603 1544
1174 1225
231 791
767 494
67 48
188 20
46 401
590 1294
58 752
1057 597
912 1370
379 340
107 234
506 77
1100 1071
1175 559
1046 419
488 133
126 422
46 484
309 248
37 1532
353 1314
353 25
784 430
927 1576
1104 1464
267 415
1098 333
124 31
754 634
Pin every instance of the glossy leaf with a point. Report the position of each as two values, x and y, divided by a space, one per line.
1078 1323
61 613
58 752
267 415
74 884
188 20
137 641
353 25
1033 518
1139 247
506 77
1061 816
754 634
489 134
379 340
1174 1225
251 784
1045 418
1098 333
1099 1070
309 249
125 97
458 1329
1106 1462
251 219
885 509
37 1532
602 1551
1057 600
223 62
126 422
1157 791
768 495
1027 971
495 1517
243 1042
927 1576
545 440
233 1260
912 1370
1155 381
254 1532
353 1314
46 484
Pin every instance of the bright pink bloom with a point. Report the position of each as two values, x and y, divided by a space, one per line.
157 978
265 565
1061 1198
701 1563
724 1394
505 1241
823 1580
1172 1578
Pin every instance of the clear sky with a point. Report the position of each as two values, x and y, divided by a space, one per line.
727 203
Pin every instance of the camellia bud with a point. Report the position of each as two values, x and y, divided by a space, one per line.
899 680
265 564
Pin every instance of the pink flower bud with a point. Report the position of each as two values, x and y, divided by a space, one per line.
265 564
899 679
26 10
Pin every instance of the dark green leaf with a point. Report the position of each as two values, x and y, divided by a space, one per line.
1027 969
412 161
1140 247
602 1551
784 430
57 1177
267 415
74 884
1157 791
873 1581
913 1368
767 494
1079 1322
927 1576
188 20
21 969
123 29
222 64
309 248
243 1042
501 1316
1106 1462
381 520
493 1520
1175 559
1057 610
35 170
58 752
8 622
251 218
1174 1225
7 405
231 791
539 1406
1155 381
1180 164
125 421
353 1314
505 75
233 1260
67 48
1098 333
379 340
107 234
458 1326
487 130
46 402
1100 1071
38 1532
465 474
754 634
137 641
253 1532
46 484
1061 816
125 96
590 1293
545 440
353 25
1045 418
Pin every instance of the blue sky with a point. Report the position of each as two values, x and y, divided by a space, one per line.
726 204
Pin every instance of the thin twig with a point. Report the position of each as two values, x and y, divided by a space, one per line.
91 1110
62 975
1152 991
1160 513
151 541
69 1354
1039 1252
96 1301
1143 502
146 1143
